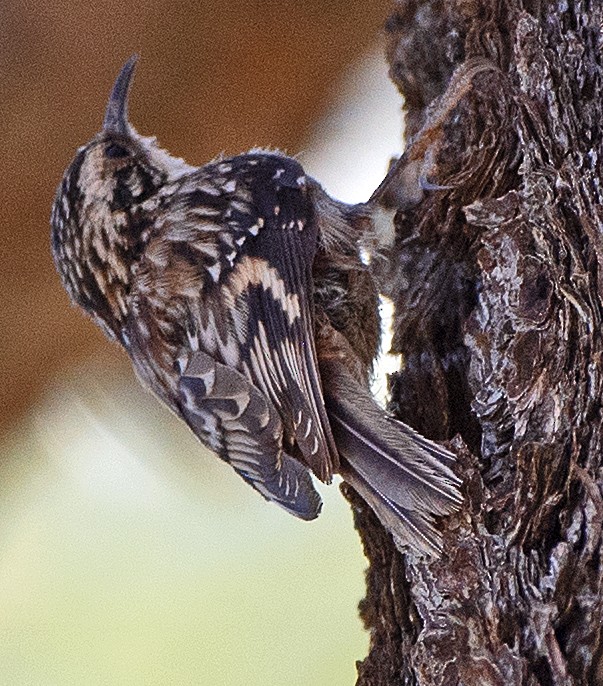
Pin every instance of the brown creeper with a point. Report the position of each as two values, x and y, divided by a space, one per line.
237 290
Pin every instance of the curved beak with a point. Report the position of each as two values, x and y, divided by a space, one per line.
116 115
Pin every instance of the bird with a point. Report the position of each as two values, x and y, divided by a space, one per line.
239 292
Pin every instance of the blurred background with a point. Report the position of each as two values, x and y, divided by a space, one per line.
129 555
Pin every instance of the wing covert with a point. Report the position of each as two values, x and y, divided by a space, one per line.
238 422
247 226
272 290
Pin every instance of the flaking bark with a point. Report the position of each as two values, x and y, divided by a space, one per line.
498 293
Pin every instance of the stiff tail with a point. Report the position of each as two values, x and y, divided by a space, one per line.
405 478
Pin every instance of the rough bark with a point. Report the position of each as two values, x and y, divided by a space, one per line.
499 297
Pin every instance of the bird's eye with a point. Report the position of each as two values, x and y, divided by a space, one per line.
113 150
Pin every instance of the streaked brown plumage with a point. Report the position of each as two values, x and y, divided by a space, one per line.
238 292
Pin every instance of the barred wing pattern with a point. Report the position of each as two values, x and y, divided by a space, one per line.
230 414
259 350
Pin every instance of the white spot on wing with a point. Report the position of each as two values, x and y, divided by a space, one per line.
193 341
214 271
308 428
208 250
209 189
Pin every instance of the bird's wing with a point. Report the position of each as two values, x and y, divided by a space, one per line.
235 419
256 312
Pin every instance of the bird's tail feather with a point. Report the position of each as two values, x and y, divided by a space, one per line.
405 478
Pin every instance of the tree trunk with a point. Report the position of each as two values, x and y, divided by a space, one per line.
498 292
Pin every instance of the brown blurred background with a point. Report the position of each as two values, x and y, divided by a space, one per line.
128 554
213 76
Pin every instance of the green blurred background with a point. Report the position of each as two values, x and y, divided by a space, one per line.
128 554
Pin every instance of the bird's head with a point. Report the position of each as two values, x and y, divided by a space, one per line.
104 209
